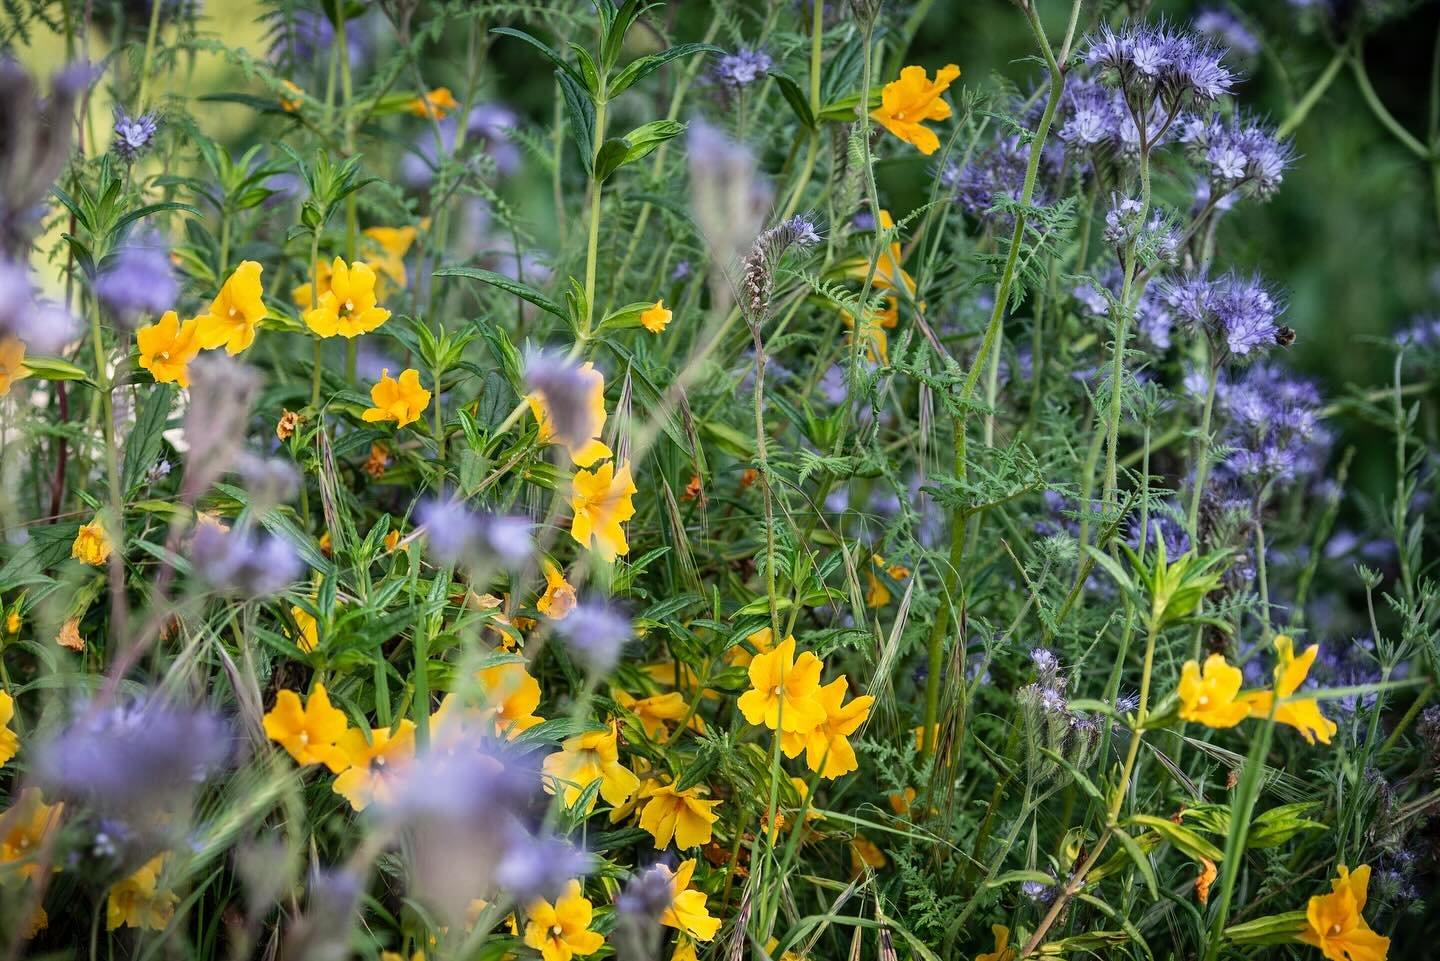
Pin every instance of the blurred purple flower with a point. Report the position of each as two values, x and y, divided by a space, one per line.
535 867
243 562
567 390
133 135
595 633
742 68
138 280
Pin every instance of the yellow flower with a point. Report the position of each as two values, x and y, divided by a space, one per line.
1001 952
167 347
139 901
887 275
827 746
403 401
601 499
593 449
12 621
373 763
24 828
657 318
511 697
304 294
12 363
9 740
389 245
92 544
687 911
878 593
292 103
559 597
681 815
310 733
652 712
762 640
1205 880
560 931
349 307
784 690
1210 697
1335 924
437 103
391 540
772 943
865 853
906 103
309 638
1302 714
235 311
585 759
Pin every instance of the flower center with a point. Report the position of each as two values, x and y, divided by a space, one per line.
1335 928
556 931
304 737
163 355
349 306
1203 700
778 690
232 312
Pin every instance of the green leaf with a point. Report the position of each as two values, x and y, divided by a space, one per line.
545 50
142 447
1014 877
1142 862
1271 929
523 291
147 210
1182 837
795 97
587 68
1087 785
643 67
580 108
53 368
635 145
1111 567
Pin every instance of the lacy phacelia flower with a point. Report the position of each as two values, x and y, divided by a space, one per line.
308 733
1303 714
12 362
139 901
561 931
92 544
687 910
1240 155
402 401
349 307
742 68
9 741
594 634
1334 922
167 347
559 597
1154 61
784 694
1209 698
235 311
681 815
602 501
372 765
437 103
1002 951
133 135
585 759
656 318
1238 314
569 404
827 745
138 279
906 103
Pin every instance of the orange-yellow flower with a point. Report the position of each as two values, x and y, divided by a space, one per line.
1334 922
9 740
285 427
1209 697
309 638
402 401
511 698
687 911
652 712
906 103
1001 952
349 307
139 901
681 815
291 103
559 597
586 758
387 247
592 449
24 828
235 311
167 347
437 103
560 931
92 544
1303 714
656 318
12 362
762 640
309 733
304 294
601 500
784 690
827 746
373 763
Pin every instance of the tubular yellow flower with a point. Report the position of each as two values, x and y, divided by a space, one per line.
511 697
652 712
762 640
681 815
1335 924
12 363
585 759
167 347
235 311
24 828
139 901
437 103
1302 714
593 449
1210 697
827 746
601 500
906 103
349 307
92 544
403 401
309 638
388 246
560 931
308 733
9 740
304 294
372 763
657 318
559 597
687 910
784 690
1001 952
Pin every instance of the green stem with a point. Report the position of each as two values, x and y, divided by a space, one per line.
592 248
141 101
1313 95
1202 456
1241 809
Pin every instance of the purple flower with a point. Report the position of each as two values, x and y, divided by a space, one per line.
1241 156
595 633
1237 313
133 135
728 196
302 38
1126 703
1154 318
455 533
568 391
1045 661
43 325
1157 63
742 68
1225 29
138 280
243 562
1164 529
1272 429
832 385
647 896
539 867
487 128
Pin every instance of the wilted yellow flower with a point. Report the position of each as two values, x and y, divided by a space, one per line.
92 544
1302 714
592 449
827 745
437 103
139 901
560 931
1334 922
402 401
12 362
1210 697
687 911
906 103
309 733
657 318
167 347
585 759
784 690
9 740
681 815
601 500
12 621
69 636
373 763
235 311
374 465
559 597
1001 952
1205 880
286 425
349 307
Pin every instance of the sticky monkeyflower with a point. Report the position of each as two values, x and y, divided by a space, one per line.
681 815
1303 714
309 638
402 401
827 746
906 103
784 690
585 759
1334 922
584 446
558 600
92 544
387 248
9 740
762 640
374 763
601 500
437 103
1002 950
139 901
656 318
24 828
877 593
288 423
561 931
888 274
349 307
309 733
304 294
167 347
235 312
652 712
511 696
12 362
687 911
1209 696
